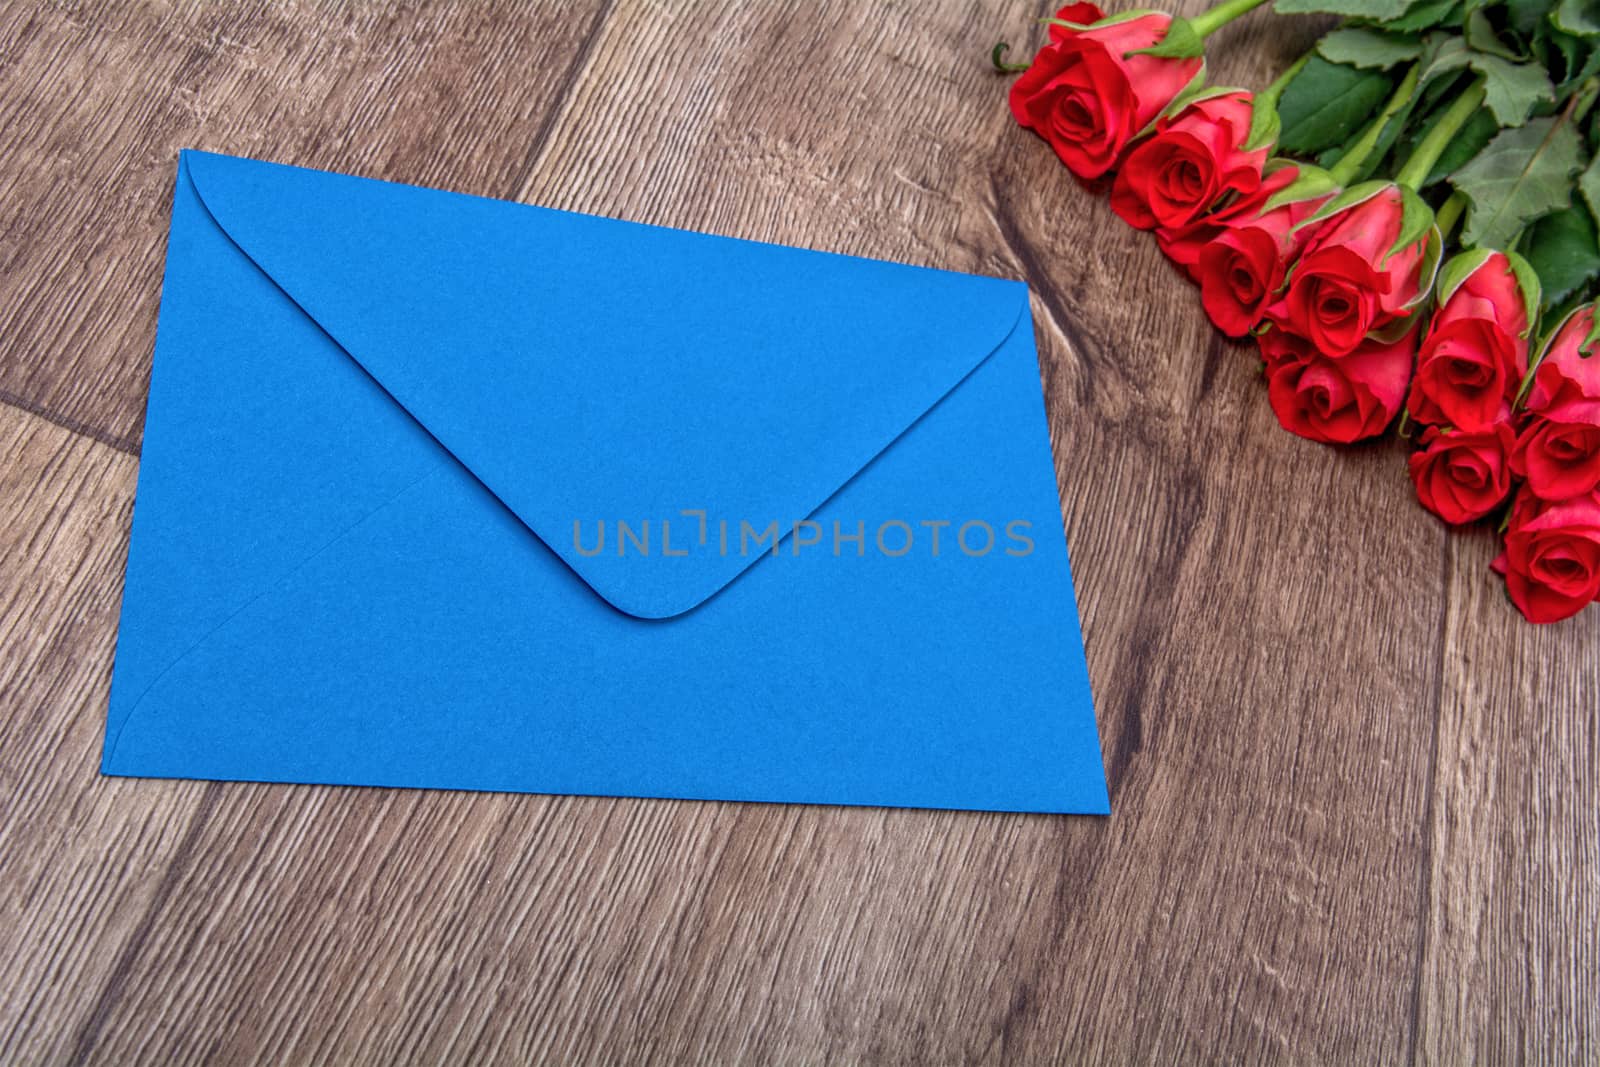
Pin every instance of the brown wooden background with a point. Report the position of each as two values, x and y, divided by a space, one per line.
1356 797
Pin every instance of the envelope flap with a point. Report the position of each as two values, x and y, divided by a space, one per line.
590 371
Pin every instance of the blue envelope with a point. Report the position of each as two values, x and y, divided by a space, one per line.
442 491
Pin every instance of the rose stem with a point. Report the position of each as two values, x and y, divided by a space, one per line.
1447 215
1582 100
1213 19
1415 171
1345 171
1269 96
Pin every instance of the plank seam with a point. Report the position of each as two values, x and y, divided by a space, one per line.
128 446
558 101
1425 886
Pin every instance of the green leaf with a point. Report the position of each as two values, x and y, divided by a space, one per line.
1511 89
1426 15
1522 174
1581 17
1375 10
1481 36
1468 142
1380 148
1179 42
1564 251
1525 16
1327 103
1589 185
1359 46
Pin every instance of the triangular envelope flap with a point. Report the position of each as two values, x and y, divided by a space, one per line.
590 370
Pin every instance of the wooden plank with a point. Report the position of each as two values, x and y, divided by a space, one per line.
82 857
1511 967
1279 639
96 103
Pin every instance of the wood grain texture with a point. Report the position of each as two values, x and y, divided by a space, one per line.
1356 797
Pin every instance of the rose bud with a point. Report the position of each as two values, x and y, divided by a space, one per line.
1473 357
1183 244
1193 159
1551 560
1362 270
1569 370
1087 96
1558 451
1336 401
1245 263
1462 476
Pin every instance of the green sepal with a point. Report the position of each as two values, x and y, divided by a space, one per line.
1392 331
1181 41
998 58
1351 197
1194 93
1311 183
1550 338
1432 253
1109 20
1416 217
1454 274
1543 349
1532 288
1458 268
1265 125
1191 92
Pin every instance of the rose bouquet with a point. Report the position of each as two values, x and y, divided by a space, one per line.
1405 224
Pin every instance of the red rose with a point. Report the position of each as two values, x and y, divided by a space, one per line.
1463 476
1475 353
1347 282
1246 262
1567 372
1086 96
1191 161
1182 244
1558 451
1552 556
1336 401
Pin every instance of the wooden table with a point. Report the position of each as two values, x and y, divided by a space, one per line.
1355 795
